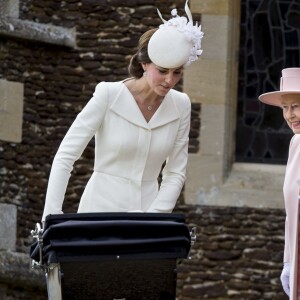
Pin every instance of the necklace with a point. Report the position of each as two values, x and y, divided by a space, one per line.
140 101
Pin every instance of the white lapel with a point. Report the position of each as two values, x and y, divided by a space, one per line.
125 106
166 113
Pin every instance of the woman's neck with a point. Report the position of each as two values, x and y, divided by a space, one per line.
146 99
142 92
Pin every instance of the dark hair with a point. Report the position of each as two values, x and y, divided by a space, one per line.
135 68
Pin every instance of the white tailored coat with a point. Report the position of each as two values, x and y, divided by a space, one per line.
129 153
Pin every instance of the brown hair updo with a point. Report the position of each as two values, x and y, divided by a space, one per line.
135 68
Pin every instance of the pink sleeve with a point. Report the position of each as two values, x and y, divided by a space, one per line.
286 254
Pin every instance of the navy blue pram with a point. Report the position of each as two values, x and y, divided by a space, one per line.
111 255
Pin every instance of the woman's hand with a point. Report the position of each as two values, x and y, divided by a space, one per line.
285 278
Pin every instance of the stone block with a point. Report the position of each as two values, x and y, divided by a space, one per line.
210 79
9 8
34 31
216 37
213 130
11 110
214 7
247 185
8 226
204 176
206 82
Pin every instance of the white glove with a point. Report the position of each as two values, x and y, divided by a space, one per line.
285 278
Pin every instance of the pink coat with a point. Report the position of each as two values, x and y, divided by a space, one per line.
291 192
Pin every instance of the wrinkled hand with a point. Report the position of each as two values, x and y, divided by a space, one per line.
285 278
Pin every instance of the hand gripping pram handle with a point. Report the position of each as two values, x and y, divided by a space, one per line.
37 235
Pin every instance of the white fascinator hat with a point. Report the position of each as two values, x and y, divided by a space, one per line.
177 42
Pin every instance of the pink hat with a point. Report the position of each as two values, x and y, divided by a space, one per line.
289 84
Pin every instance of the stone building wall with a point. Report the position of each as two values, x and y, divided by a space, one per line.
238 252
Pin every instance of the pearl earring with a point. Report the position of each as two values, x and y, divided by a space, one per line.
145 74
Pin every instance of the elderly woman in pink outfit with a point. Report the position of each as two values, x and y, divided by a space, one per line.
288 98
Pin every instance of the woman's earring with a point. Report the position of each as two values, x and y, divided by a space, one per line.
145 74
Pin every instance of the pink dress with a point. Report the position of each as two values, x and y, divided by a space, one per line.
291 192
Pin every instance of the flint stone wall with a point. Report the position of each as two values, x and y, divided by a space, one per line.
237 255
238 252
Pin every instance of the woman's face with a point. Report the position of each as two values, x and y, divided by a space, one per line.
161 80
290 105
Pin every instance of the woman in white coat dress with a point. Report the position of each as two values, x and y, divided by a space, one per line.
288 98
138 124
